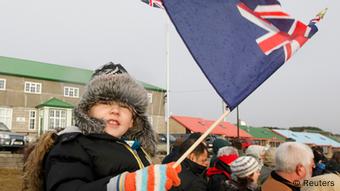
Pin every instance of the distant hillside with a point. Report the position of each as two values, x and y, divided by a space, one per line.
305 128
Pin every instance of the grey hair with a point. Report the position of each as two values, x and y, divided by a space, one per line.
227 150
290 154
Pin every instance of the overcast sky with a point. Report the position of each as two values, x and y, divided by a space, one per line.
87 34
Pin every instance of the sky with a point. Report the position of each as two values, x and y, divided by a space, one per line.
87 34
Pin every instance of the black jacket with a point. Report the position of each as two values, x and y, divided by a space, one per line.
88 162
192 177
233 185
217 182
172 156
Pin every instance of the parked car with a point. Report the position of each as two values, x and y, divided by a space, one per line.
11 141
162 138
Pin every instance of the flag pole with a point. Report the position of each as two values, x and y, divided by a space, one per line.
202 137
238 124
167 84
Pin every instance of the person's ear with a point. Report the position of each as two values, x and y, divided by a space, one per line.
191 156
300 170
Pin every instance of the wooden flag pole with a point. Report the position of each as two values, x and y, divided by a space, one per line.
202 137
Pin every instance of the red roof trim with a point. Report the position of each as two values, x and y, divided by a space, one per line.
201 125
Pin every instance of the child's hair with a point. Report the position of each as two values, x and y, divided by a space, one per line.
33 161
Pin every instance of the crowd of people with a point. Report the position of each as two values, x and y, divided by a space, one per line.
112 144
290 167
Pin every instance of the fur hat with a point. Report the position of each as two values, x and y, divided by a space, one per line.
244 166
112 83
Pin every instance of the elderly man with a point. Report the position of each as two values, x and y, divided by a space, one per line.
294 164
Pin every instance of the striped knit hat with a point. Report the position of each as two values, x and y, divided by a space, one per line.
244 166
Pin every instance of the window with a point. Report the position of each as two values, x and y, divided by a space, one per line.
32 87
57 118
32 119
6 116
2 84
71 92
150 98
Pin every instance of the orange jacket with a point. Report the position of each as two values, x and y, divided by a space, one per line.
277 183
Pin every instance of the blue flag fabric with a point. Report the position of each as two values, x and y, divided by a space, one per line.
238 44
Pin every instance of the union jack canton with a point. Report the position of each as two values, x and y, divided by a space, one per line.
154 3
282 29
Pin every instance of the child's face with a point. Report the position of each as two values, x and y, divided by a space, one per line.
118 118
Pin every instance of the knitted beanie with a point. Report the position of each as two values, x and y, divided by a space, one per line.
244 166
227 150
219 143
111 82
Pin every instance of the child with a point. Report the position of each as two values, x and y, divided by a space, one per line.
95 155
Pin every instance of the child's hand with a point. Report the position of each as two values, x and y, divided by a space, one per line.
153 177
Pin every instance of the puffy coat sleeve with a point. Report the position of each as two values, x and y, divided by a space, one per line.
69 167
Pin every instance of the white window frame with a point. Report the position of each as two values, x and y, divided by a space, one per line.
32 86
73 90
4 82
150 95
30 119
56 121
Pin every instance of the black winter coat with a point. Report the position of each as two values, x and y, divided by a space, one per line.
88 162
192 177
217 182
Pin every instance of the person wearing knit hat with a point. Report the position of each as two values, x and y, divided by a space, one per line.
258 152
216 145
246 169
109 147
245 166
221 172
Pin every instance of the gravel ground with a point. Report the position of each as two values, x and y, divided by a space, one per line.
10 179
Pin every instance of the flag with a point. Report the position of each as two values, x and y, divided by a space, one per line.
154 3
238 44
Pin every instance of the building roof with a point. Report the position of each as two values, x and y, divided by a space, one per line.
201 125
53 72
308 138
54 102
262 133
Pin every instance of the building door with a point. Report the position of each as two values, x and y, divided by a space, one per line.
6 116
